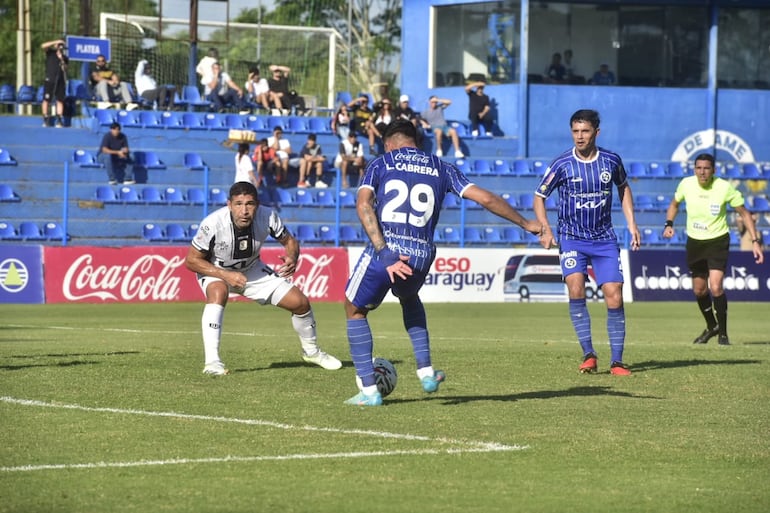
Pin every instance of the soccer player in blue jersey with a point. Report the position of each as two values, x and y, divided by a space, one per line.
399 202
584 177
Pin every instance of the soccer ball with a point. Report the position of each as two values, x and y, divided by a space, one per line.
385 376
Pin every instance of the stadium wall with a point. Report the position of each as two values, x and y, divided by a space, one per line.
90 274
640 123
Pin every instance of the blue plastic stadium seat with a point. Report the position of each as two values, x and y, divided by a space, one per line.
176 233
501 167
192 121
106 194
128 194
326 233
637 170
512 199
297 125
349 233
148 160
171 120
217 196
105 117
6 159
526 201
346 199
84 158
7 231
256 123
53 231
462 130
153 232
174 196
151 195
276 121
283 197
235 121
8 195
150 118
492 235
472 235
196 196
450 201
29 230
128 119
192 96
481 167
751 171
214 121
464 166
759 204
304 197
512 234
450 234
194 161
319 125
324 198
306 233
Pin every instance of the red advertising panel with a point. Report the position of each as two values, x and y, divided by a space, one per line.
148 274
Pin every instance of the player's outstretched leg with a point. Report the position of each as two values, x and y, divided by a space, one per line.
361 346
304 325
211 328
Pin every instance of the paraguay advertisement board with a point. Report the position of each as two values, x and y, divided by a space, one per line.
477 275
138 274
21 275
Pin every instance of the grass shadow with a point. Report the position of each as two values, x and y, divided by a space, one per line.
677 364
59 364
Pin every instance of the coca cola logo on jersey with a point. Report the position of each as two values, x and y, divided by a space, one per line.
149 277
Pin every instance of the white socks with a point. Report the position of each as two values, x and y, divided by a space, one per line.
211 327
304 325
425 372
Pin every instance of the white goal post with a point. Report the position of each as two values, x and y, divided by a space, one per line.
303 49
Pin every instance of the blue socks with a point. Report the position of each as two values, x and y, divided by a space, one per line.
361 345
581 321
416 326
616 329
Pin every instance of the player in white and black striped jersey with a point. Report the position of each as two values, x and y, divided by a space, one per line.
225 256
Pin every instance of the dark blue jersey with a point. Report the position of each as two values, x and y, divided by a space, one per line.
585 193
409 187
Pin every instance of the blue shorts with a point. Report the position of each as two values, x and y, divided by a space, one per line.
604 257
369 283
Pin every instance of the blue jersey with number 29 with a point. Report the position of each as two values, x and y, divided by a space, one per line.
410 186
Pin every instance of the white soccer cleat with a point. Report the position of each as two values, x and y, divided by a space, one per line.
324 360
439 153
216 368
459 154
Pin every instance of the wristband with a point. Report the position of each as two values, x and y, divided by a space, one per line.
757 241
386 257
669 224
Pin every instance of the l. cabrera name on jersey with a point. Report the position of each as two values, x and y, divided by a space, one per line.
230 248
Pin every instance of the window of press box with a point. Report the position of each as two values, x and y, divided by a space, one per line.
743 52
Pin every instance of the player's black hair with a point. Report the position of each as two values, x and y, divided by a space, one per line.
587 115
706 156
403 127
239 188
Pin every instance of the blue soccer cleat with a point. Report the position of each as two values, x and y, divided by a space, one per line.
361 399
431 383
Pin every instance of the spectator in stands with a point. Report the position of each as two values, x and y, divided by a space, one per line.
279 87
55 86
708 240
265 159
311 157
225 255
221 91
341 122
479 109
204 66
603 76
383 117
747 243
282 149
107 87
114 154
350 157
244 167
433 119
148 88
556 73
362 113
569 70
404 111
257 89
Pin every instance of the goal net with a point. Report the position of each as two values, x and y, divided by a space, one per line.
312 53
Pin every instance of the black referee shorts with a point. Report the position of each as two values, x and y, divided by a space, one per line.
703 255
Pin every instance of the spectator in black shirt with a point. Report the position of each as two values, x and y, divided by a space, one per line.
55 86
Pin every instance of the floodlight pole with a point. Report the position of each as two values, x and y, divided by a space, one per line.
193 42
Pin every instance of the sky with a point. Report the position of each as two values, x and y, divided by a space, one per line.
208 10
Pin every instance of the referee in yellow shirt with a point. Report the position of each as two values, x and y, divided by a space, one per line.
708 240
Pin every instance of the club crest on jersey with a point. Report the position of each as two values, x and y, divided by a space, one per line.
243 245
605 177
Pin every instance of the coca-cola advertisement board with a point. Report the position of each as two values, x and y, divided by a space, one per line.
158 274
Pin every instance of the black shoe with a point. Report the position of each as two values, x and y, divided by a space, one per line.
723 340
706 335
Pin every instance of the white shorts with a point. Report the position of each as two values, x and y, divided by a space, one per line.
262 286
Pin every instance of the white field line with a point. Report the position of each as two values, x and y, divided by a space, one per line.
462 446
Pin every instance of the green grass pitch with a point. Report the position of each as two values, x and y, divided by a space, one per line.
104 409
